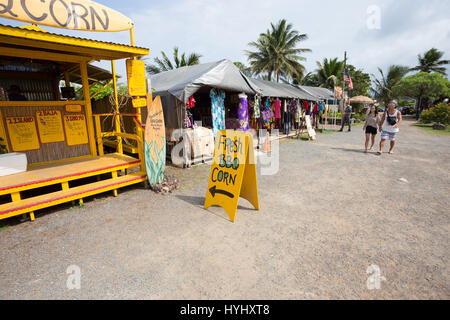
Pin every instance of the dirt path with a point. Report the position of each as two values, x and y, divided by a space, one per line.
330 213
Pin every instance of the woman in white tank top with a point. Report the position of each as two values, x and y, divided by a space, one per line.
389 126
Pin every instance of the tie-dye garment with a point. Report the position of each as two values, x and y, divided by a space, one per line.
217 110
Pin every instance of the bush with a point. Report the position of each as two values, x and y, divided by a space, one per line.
437 114
361 117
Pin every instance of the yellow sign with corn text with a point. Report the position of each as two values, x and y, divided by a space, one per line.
137 85
76 130
233 172
50 126
83 15
23 133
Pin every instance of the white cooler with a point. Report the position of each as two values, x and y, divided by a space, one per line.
12 163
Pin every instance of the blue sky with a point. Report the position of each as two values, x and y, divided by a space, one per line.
222 29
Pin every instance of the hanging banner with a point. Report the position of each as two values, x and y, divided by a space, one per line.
338 92
50 126
82 15
155 141
76 130
137 85
233 172
22 133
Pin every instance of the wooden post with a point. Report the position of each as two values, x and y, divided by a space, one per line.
15 197
88 108
98 129
67 79
138 110
117 117
3 132
114 175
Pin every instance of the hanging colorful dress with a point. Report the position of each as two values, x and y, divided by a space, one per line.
243 112
217 110
257 113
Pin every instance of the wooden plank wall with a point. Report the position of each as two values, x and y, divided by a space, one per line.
49 151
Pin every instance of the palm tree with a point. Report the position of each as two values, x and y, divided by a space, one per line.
309 79
276 51
431 62
245 70
165 64
330 72
384 85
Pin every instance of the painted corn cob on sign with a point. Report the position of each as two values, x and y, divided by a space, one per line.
83 15
155 141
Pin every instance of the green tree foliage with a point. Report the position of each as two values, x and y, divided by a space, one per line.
438 114
245 70
383 85
432 61
165 64
276 53
309 79
330 72
122 90
425 87
107 91
361 82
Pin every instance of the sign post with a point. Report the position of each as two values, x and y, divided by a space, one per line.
233 172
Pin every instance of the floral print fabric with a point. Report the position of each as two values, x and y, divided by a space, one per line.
217 110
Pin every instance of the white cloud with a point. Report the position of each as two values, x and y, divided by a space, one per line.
222 29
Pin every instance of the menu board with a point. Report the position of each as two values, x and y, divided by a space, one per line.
76 130
22 133
137 85
50 126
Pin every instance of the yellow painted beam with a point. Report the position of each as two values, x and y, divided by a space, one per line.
126 147
15 197
41 103
42 55
121 134
88 108
116 100
30 36
98 131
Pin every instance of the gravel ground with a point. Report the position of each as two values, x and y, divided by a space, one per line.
330 213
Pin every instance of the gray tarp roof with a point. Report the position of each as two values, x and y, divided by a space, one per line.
280 90
183 82
320 93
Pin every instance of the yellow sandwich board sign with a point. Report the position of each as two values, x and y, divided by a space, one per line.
233 172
